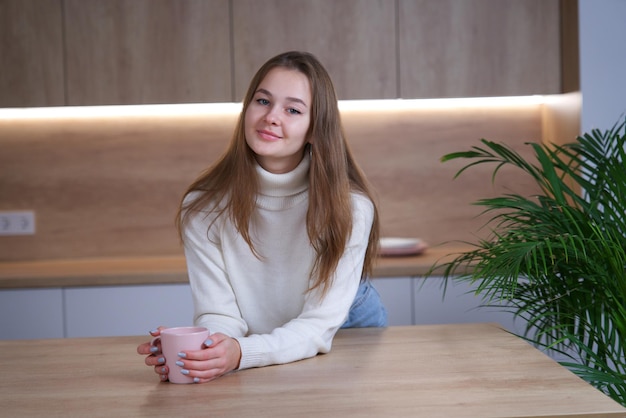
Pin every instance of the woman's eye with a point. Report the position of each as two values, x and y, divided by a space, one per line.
293 111
264 102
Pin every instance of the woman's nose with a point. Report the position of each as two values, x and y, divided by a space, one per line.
271 117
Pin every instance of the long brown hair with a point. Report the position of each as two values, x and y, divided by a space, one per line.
230 185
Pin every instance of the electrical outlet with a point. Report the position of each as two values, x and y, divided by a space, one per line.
17 223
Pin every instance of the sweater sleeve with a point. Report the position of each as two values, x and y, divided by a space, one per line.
215 303
312 331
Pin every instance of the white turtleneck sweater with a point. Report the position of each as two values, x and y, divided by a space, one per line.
264 303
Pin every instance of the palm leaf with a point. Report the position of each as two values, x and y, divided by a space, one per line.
557 259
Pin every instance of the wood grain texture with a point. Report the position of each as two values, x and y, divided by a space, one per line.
92 52
109 185
400 152
355 40
570 51
451 48
466 370
146 270
147 51
31 53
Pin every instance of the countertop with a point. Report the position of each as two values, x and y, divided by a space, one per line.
169 269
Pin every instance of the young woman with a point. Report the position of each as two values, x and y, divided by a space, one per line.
281 232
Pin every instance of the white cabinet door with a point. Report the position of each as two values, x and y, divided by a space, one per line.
31 313
459 305
397 294
126 310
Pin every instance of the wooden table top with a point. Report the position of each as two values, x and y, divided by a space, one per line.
466 370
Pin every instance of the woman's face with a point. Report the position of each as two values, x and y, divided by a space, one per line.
278 118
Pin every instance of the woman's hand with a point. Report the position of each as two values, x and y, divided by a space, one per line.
221 355
154 356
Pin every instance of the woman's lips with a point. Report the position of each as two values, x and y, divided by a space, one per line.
268 135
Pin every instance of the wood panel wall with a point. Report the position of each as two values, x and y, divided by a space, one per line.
90 52
108 185
103 186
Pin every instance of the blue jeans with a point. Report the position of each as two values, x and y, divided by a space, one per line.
367 310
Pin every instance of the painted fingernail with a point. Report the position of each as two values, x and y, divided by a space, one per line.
163 377
184 371
182 355
154 349
196 380
161 360
163 370
208 342
154 331
180 363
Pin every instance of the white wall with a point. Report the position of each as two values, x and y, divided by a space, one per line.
602 62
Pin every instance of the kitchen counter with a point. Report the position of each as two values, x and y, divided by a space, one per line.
168 269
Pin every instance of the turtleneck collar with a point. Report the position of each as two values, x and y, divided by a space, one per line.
287 184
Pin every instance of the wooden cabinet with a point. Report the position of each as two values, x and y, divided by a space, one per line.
31 53
354 39
147 51
455 48
92 52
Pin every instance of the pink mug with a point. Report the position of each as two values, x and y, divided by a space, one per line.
175 340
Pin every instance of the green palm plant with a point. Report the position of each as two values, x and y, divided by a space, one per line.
557 259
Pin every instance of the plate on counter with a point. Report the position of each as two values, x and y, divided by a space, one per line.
392 246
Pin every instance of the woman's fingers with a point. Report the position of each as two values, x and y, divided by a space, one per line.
148 347
162 370
155 360
201 371
157 331
154 357
220 357
144 348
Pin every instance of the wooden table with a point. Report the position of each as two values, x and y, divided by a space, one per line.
469 370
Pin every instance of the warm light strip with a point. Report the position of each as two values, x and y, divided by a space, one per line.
453 103
234 108
187 109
